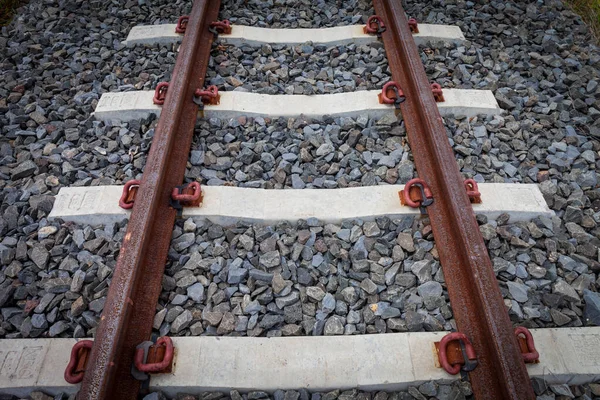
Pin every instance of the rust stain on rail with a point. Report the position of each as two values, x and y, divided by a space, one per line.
475 297
135 287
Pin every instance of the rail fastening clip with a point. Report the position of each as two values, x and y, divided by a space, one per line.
397 99
467 349
182 24
416 194
153 358
438 95
188 195
413 25
78 361
220 27
472 191
529 353
375 25
160 93
129 192
209 96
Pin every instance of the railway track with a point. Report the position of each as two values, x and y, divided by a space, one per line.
485 348
474 294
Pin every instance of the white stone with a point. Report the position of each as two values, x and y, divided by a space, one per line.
392 361
226 205
341 35
126 106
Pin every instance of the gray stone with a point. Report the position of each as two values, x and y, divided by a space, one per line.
334 326
431 288
368 286
562 390
591 310
182 321
315 293
179 299
58 328
184 241
271 259
349 295
288 300
261 275
270 320
236 275
422 269
328 303
371 229
227 325
40 256
414 321
24 169
518 291
196 292
563 288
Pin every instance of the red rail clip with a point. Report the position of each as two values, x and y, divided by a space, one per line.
160 366
129 192
467 349
374 26
189 195
210 95
160 93
416 194
394 87
413 25
221 27
77 363
438 95
472 191
182 24
530 354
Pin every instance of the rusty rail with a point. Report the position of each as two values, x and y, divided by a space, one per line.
474 293
135 287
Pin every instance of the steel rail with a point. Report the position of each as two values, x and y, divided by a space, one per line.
475 296
136 283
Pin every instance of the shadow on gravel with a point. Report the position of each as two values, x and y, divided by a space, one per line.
7 10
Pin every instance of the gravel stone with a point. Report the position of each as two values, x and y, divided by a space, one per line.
518 291
591 310
334 326
430 289
196 292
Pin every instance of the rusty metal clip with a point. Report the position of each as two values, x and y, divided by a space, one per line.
78 361
153 358
129 191
220 27
472 191
413 25
438 95
375 25
160 93
398 98
530 354
468 352
419 188
189 195
182 24
210 96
